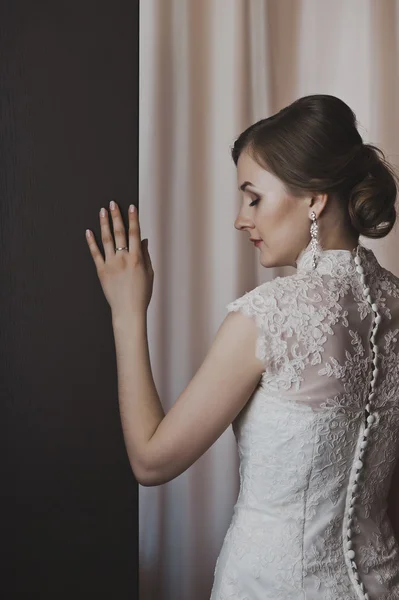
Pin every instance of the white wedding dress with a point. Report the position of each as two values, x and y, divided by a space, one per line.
310 520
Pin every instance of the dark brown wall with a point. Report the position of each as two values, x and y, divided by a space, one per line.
68 145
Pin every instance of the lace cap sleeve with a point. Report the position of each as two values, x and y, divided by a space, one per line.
260 304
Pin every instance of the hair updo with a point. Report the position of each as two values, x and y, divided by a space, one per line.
313 145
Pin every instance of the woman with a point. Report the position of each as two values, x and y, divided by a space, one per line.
306 367
320 438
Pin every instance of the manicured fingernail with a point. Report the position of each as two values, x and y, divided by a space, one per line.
132 208
102 212
112 205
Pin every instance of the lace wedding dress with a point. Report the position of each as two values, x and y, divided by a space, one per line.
319 438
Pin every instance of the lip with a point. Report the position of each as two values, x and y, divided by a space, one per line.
257 242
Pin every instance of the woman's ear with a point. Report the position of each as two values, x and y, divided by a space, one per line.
318 203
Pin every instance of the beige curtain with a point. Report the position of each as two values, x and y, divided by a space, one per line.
208 69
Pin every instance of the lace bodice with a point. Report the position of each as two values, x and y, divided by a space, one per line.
319 438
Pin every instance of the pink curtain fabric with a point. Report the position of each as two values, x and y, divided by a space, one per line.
210 68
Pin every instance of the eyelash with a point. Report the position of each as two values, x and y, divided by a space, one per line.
254 202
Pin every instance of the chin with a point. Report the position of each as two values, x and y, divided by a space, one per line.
269 265
267 262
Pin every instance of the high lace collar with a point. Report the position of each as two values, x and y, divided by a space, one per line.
328 260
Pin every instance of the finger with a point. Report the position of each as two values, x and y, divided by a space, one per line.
106 235
94 250
134 232
118 226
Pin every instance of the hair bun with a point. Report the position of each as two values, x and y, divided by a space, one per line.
371 203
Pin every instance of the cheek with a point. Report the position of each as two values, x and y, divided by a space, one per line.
277 211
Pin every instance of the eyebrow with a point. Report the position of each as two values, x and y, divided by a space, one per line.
245 185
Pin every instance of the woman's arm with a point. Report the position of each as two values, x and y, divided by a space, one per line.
218 392
161 447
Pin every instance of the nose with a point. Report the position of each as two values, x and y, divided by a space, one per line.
243 222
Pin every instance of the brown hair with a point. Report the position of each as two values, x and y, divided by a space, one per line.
314 145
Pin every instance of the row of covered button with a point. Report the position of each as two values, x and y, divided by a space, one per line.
370 420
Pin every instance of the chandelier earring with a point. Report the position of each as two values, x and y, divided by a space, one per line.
314 243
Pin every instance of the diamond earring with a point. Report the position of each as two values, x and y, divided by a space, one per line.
314 242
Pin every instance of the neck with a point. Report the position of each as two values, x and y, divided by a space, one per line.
337 234
339 243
